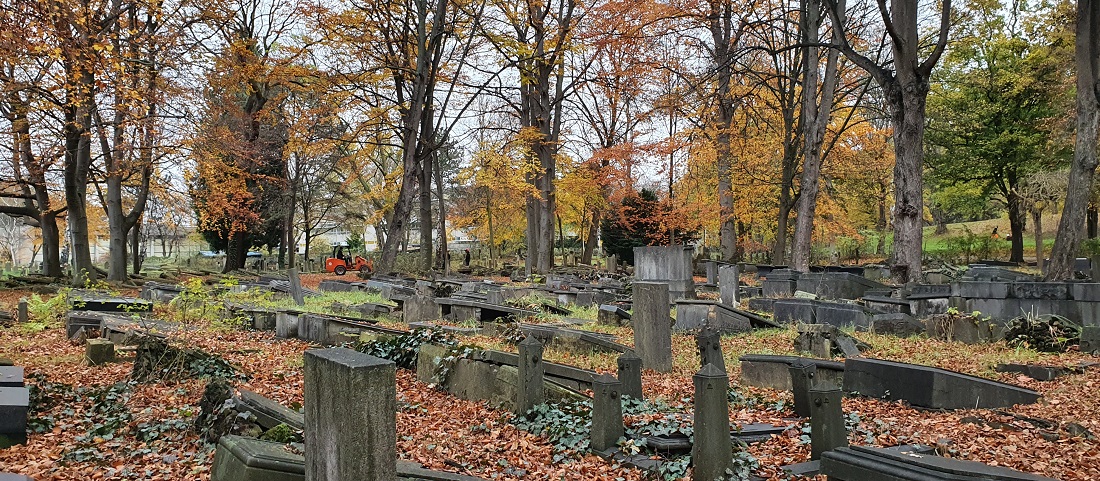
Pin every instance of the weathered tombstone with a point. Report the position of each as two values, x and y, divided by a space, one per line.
530 391
728 279
23 315
827 430
652 329
711 452
419 309
350 416
896 324
709 344
712 272
630 374
802 378
610 315
1090 339
607 412
296 287
930 387
99 351
671 265
14 405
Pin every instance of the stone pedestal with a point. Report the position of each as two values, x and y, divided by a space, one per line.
530 391
607 412
630 374
652 326
802 377
99 351
712 451
827 430
350 416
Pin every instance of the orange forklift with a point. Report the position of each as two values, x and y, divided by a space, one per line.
340 263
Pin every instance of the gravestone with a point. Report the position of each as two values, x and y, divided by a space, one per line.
896 324
728 279
802 377
780 283
23 315
419 308
670 265
709 345
607 412
825 341
827 430
1090 339
652 329
11 376
99 351
711 452
861 463
350 416
712 272
929 387
530 391
14 405
630 374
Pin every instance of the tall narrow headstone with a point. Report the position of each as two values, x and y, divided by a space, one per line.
296 287
802 377
652 326
712 272
711 452
728 279
709 344
23 314
350 416
827 430
607 412
530 391
630 374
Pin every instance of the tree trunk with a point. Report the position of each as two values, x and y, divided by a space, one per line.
444 258
115 226
593 237
815 119
779 249
1091 220
78 158
721 30
1037 226
135 247
1016 220
425 215
235 252
906 97
1068 240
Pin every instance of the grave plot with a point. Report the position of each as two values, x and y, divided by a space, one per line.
478 438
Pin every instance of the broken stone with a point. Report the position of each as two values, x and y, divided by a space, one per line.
99 351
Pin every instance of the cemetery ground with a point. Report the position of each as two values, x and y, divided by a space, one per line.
93 422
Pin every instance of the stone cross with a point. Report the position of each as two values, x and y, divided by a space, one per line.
607 413
709 343
530 391
827 430
630 374
652 329
350 416
712 450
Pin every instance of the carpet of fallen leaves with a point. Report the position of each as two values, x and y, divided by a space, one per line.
450 434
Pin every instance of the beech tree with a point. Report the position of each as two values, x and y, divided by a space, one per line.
905 84
1083 168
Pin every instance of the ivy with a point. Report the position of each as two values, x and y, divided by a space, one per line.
403 349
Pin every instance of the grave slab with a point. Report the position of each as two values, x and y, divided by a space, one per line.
860 463
930 387
11 376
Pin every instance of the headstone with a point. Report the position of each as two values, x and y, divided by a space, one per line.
652 329
296 287
709 345
14 405
610 315
607 412
896 324
827 430
23 315
728 279
99 351
712 450
530 391
630 374
671 265
802 377
350 416
929 387
1090 339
